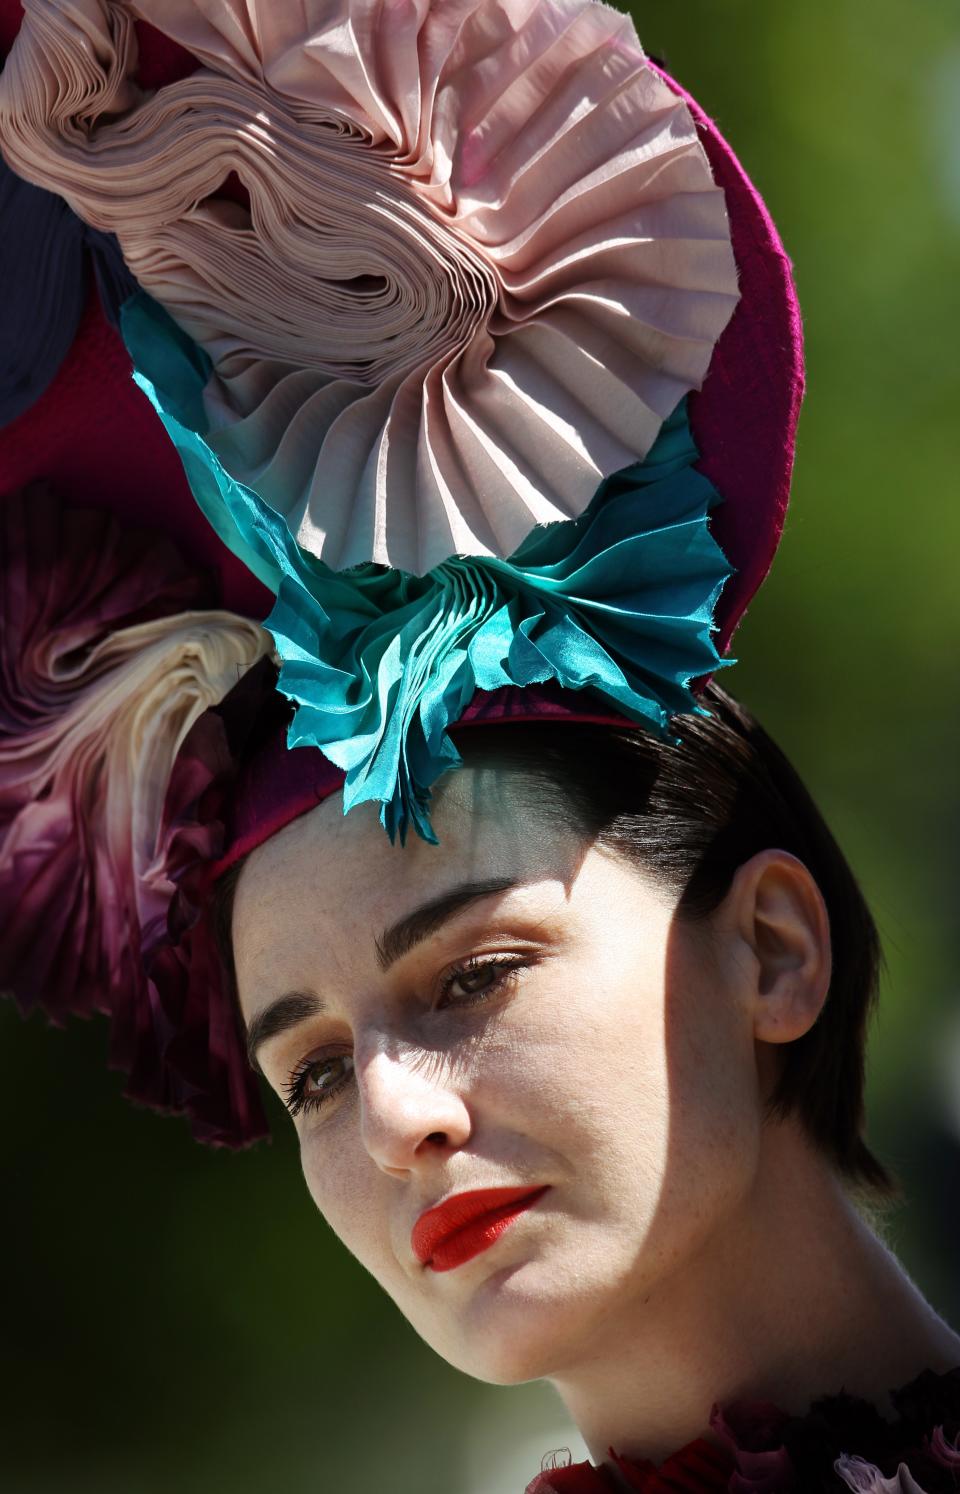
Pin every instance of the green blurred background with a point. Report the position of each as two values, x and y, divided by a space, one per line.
181 1319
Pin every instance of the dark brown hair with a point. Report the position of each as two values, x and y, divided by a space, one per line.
690 810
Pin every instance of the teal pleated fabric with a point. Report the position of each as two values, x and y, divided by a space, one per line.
380 663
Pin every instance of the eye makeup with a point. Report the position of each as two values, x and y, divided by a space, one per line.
314 1081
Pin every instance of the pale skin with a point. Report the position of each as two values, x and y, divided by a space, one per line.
571 1030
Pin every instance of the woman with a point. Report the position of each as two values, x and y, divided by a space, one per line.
569 1085
592 973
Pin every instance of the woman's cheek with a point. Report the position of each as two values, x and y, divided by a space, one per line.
353 1196
326 1170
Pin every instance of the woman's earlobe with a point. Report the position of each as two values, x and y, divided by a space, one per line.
781 915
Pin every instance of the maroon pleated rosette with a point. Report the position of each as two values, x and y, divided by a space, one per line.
110 648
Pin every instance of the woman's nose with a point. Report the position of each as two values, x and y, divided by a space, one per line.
410 1109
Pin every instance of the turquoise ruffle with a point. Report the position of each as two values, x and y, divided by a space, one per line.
381 663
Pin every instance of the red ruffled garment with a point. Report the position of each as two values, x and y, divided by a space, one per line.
695 1469
843 1443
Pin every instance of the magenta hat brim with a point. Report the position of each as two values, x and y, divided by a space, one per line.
744 419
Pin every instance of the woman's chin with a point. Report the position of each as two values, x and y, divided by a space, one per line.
516 1326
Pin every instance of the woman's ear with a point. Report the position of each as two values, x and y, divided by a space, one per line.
776 912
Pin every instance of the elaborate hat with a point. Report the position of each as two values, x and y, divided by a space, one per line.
439 363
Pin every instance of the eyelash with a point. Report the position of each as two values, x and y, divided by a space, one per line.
294 1093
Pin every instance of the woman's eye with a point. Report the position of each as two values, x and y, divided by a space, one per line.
317 1080
314 1082
479 980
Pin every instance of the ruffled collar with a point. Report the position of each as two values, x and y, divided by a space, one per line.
842 1443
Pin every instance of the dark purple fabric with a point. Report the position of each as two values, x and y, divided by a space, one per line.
44 252
96 439
273 787
698 1468
11 14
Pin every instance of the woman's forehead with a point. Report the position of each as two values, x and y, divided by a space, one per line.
327 871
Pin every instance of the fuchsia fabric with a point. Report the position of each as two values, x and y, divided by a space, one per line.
278 784
754 387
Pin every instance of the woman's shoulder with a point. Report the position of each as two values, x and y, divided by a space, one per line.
842 1443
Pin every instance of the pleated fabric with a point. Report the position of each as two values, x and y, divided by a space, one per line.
453 264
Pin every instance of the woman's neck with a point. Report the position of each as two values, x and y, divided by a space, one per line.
793 1298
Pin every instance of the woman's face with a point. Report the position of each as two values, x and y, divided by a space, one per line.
512 1008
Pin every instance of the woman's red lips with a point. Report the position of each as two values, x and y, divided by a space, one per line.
467 1223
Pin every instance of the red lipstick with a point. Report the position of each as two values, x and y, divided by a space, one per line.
464 1225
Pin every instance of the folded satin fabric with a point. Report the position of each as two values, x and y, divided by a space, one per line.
477 259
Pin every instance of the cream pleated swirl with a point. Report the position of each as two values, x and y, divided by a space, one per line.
91 775
483 259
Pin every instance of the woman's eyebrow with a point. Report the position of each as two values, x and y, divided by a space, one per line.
397 940
414 927
287 1011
